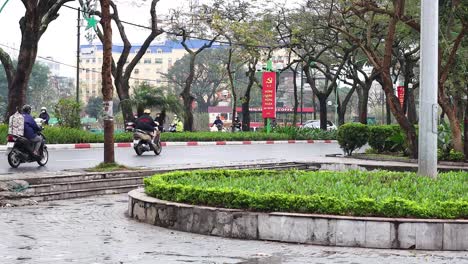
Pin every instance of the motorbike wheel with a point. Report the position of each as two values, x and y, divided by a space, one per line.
44 158
13 159
158 148
138 150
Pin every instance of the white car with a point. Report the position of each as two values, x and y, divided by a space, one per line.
314 124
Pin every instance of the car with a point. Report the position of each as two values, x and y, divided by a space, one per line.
315 124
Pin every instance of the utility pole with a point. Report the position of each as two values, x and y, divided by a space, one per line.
428 108
107 89
78 56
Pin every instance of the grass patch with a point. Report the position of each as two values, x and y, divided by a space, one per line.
355 193
109 167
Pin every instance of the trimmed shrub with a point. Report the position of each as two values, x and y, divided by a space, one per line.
380 138
352 136
377 193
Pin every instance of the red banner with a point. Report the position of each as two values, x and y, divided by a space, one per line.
401 94
269 95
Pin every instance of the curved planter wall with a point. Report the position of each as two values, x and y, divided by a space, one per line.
326 230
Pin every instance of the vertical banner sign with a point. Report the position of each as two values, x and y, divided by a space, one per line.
401 94
269 95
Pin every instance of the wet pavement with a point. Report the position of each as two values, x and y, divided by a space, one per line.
95 230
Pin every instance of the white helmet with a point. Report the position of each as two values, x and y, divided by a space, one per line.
43 109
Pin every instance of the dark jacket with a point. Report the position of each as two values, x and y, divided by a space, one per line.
30 127
145 123
45 116
217 121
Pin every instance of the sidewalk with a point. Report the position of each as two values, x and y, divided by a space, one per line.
188 143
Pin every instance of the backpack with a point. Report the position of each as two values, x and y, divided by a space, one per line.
16 125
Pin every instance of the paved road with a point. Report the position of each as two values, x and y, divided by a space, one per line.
96 231
178 155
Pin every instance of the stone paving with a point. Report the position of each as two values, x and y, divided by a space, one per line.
96 231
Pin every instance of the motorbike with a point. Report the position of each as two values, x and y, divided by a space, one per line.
20 150
142 140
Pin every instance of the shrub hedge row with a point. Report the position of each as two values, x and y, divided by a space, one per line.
355 193
63 135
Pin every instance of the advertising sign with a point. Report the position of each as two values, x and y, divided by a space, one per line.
269 95
401 94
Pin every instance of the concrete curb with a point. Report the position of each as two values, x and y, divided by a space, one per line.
189 143
328 230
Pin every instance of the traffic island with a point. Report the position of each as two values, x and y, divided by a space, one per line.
326 230
394 210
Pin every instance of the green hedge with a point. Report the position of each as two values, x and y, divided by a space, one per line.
378 193
62 135
352 136
380 137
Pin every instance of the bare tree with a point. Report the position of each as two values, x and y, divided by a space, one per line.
123 69
38 15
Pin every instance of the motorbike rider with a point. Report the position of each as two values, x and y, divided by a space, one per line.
31 130
236 124
160 120
218 123
44 115
146 123
177 124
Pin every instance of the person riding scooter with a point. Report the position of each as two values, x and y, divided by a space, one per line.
177 125
146 123
236 125
31 130
218 123
44 116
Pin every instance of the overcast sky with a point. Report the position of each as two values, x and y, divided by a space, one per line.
59 41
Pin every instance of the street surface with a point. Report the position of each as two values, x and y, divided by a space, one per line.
177 155
96 231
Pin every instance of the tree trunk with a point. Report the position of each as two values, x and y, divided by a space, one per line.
454 123
26 59
125 102
107 89
466 131
187 96
245 114
296 100
412 116
394 105
323 112
363 102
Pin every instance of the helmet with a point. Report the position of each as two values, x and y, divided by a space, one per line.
175 115
43 109
147 111
26 109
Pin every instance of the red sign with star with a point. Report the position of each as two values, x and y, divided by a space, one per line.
269 95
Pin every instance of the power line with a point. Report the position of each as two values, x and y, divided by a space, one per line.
73 66
178 35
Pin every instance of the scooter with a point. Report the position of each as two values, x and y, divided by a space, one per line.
20 150
144 141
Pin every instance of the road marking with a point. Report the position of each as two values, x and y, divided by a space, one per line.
75 160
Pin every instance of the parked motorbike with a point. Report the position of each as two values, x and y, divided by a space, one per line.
20 150
142 140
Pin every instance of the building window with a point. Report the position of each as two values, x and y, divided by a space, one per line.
147 61
87 61
158 60
159 51
137 71
148 51
93 60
